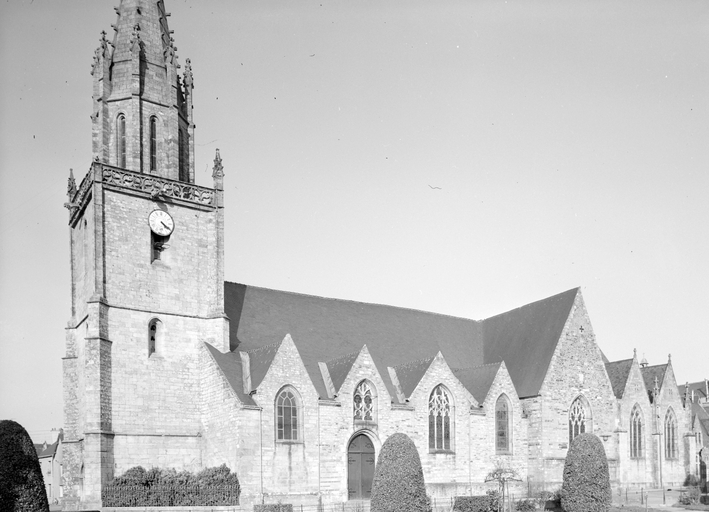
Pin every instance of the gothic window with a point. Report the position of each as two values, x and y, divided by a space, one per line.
121 141
636 433
440 413
287 418
502 425
154 336
153 144
577 419
364 402
183 156
670 435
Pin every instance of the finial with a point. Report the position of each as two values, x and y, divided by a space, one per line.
669 358
188 80
218 170
635 353
643 363
71 185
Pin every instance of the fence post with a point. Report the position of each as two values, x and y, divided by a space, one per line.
663 495
641 495
626 495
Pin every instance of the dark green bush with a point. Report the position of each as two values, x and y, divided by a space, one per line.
691 481
21 480
526 505
586 486
398 478
168 488
691 496
490 502
274 507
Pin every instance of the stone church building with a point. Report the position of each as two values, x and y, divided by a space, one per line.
168 365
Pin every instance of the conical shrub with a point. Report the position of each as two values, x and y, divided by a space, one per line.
586 486
21 480
398 483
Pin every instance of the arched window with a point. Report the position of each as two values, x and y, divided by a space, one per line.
636 433
287 418
153 144
670 435
154 336
121 140
364 403
502 425
183 156
577 419
440 414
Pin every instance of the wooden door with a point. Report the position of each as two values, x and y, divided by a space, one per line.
360 468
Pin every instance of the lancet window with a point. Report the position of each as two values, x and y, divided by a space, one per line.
670 435
121 141
153 144
440 413
363 402
636 433
577 419
502 425
287 415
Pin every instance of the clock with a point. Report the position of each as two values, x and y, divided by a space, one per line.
161 223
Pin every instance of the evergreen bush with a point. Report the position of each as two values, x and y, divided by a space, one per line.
398 478
21 480
274 507
490 502
169 488
586 486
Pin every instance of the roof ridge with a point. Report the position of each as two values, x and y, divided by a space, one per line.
576 289
357 302
619 361
654 366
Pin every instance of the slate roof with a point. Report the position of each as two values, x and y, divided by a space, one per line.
699 388
525 339
478 379
410 374
45 449
230 366
618 372
340 367
649 374
325 329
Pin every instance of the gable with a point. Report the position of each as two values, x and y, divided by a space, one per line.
652 373
526 338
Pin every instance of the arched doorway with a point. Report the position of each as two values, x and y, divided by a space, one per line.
360 468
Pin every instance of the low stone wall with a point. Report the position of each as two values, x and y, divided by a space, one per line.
230 508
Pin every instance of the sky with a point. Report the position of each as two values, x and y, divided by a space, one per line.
464 158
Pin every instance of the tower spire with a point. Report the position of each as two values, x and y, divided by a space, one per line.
142 113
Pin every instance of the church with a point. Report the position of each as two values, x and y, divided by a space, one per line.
168 365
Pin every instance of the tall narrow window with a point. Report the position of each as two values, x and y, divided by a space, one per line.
670 435
183 156
154 334
363 402
439 419
153 144
287 415
502 425
636 433
577 419
121 141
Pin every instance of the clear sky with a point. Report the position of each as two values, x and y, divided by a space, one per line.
459 157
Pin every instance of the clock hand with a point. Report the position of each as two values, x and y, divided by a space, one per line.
161 222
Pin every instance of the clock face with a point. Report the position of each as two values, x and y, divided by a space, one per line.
161 222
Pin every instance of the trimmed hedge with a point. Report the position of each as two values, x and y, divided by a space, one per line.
21 480
586 486
274 507
155 487
490 502
398 478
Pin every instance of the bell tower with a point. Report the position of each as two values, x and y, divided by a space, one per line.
147 267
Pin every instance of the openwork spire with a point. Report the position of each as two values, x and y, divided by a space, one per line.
218 169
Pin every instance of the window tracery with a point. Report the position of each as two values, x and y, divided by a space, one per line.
439 419
363 402
636 433
287 424
577 419
670 435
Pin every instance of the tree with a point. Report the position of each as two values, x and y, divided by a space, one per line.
21 481
398 478
586 486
